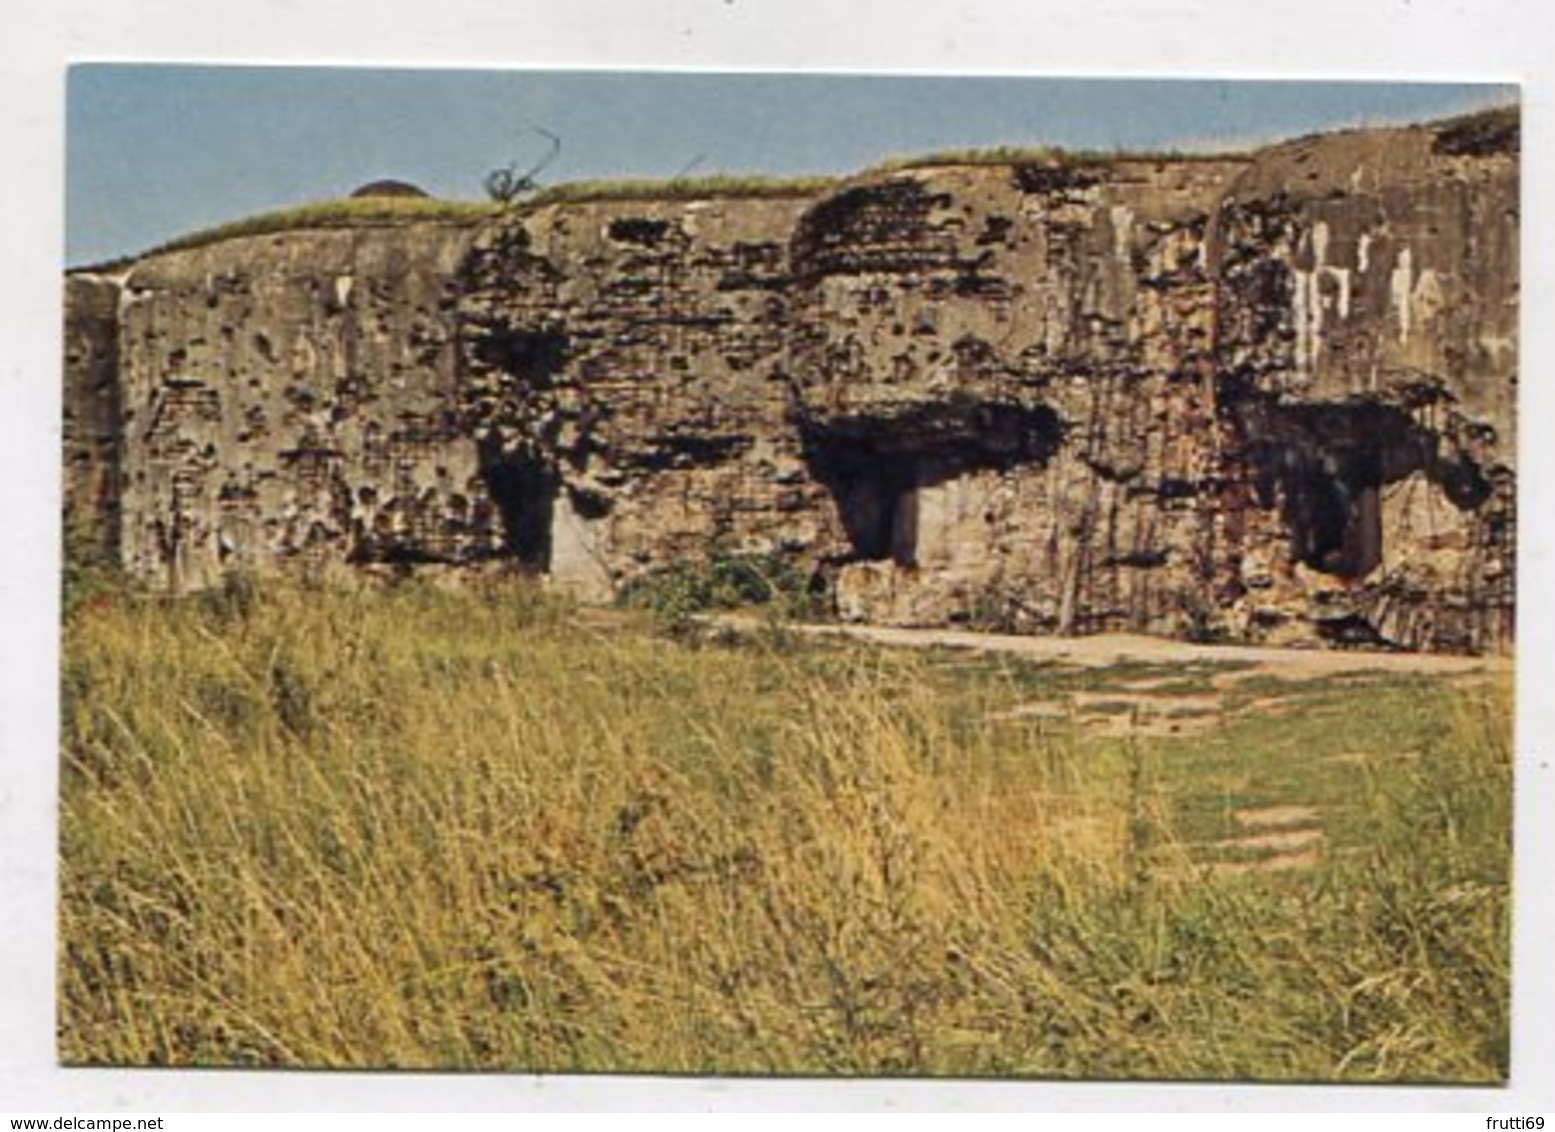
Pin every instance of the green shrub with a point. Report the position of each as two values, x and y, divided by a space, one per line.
679 592
88 572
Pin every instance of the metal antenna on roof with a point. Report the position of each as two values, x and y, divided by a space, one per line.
688 166
507 184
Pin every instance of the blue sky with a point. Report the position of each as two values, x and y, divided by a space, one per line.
154 151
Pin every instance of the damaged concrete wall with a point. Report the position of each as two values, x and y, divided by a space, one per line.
1012 369
1368 349
289 401
93 426
1268 397
624 370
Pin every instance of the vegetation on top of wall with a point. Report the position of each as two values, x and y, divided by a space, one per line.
380 211
1038 155
353 212
1488 132
679 188
1476 134
993 155
103 267
1494 130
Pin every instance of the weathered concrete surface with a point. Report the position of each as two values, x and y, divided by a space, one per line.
289 400
93 426
624 368
1266 398
1007 379
1368 352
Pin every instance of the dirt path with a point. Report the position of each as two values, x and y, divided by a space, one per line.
1109 649
1150 705
1266 838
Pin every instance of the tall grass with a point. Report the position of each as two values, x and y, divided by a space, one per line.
422 829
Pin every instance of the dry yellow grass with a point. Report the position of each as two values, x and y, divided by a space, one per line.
418 829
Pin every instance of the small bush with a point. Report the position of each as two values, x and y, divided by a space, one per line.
724 582
1203 624
89 575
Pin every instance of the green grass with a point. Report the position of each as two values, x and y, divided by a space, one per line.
352 212
358 212
416 828
990 155
1039 155
362 212
679 188
1343 746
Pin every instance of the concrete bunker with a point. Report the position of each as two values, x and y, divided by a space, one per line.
523 488
1335 517
1326 466
591 389
875 467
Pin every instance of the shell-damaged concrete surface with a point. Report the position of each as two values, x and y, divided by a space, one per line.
1267 398
291 399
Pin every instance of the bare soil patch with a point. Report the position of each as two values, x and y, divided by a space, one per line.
1279 841
1274 817
1108 649
1280 862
